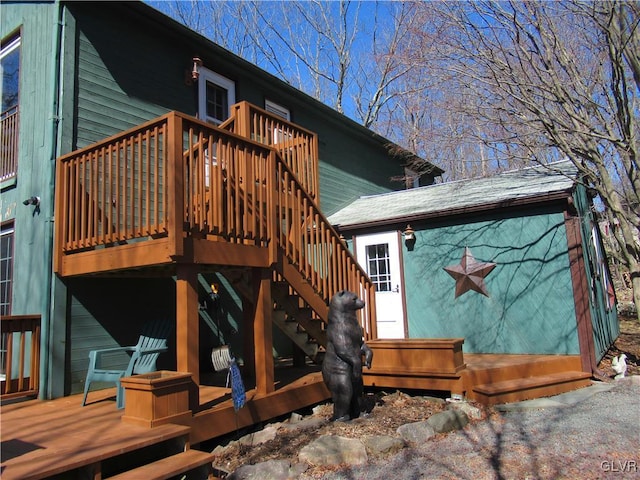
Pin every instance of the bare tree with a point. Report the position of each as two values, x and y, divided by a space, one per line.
550 79
333 51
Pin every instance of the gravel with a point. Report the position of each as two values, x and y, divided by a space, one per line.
598 437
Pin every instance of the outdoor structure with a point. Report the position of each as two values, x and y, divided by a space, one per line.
140 165
513 264
113 75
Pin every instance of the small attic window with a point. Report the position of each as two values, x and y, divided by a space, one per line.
277 109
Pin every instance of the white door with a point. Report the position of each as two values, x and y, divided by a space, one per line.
379 255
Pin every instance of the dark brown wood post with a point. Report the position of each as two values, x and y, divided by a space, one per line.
187 320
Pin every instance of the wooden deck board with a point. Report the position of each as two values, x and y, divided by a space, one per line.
42 438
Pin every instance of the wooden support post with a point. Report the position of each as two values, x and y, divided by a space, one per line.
263 331
248 342
187 321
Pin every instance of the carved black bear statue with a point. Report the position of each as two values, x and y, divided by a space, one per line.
342 364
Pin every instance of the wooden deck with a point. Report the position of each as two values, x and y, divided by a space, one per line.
41 439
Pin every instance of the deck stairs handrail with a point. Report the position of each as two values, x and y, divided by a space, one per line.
177 176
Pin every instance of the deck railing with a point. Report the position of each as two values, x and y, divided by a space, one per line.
114 191
177 175
311 244
19 356
9 143
297 147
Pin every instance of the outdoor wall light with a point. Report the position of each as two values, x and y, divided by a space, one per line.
192 76
409 234
409 237
32 201
195 70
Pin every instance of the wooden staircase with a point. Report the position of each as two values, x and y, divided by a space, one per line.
291 313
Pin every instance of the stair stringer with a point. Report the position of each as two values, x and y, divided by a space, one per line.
296 316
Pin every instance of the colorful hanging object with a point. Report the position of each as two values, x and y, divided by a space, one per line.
238 393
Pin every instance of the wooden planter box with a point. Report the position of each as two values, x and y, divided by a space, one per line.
417 356
156 398
421 363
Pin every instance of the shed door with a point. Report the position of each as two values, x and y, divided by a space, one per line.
379 255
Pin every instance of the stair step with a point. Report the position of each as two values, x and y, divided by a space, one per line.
170 466
530 387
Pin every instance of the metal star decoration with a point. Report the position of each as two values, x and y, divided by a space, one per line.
470 274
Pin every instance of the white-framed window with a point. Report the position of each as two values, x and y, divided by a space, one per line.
276 109
6 267
378 266
216 94
279 134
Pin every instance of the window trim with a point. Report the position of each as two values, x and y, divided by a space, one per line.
209 76
8 229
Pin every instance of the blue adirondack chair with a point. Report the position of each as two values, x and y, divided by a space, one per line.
152 342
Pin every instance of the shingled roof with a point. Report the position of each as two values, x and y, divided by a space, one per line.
533 184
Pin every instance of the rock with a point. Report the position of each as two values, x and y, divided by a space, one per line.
261 436
448 421
416 432
269 470
470 410
295 417
379 444
311 422
333 450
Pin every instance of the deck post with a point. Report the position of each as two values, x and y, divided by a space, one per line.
263 331
187 320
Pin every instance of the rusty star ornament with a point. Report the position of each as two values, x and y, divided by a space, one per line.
470 274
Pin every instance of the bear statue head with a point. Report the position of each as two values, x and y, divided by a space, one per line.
346 301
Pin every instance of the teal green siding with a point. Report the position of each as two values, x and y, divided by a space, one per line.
34 171
105 313
128 73
530 308
124 77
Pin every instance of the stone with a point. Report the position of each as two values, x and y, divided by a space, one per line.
416 432
269 470
382 444
470 410
261 436
334 450
307 423
448 421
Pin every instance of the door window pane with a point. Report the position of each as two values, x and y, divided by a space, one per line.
378 266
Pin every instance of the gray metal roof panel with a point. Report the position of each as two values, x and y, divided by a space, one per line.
517 184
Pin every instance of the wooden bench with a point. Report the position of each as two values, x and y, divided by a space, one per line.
531 387
172 466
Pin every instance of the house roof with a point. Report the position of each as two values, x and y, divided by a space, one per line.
533 184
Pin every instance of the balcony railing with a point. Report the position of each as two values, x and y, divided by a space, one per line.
297 146
176 177
19 356
9 144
